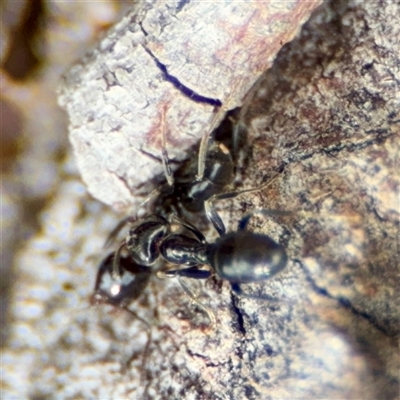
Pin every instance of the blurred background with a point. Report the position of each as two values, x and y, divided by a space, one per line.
39 41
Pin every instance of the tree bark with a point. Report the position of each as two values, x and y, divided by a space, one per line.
327 115
173 67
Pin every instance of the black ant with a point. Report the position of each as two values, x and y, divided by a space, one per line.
191 185
239 257
121 279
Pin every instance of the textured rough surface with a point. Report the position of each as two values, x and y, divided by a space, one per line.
168 66
328 112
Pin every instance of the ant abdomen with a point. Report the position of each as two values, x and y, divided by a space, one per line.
246 257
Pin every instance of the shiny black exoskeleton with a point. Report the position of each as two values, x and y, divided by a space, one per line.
119 287
239 257
192 194
181 192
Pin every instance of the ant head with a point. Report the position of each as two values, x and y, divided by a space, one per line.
119 289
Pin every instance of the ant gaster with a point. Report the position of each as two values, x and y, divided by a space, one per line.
121 288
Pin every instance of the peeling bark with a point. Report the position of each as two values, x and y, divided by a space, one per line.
189 59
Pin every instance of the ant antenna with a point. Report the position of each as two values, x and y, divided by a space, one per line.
204 143
164 153
116 272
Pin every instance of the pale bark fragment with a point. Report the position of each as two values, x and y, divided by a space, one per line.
181 57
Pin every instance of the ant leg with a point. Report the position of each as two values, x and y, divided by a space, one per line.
188 272
194 299
189 227
148 342
164 154
194 273
116 271
212 214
